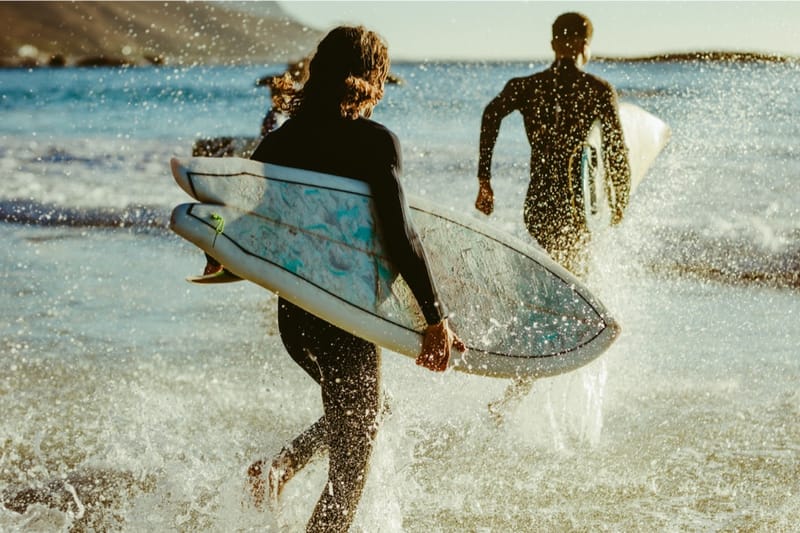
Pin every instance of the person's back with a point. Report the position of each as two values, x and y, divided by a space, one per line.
359 148
364 150
559 106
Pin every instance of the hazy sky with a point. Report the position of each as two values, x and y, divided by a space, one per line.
521 30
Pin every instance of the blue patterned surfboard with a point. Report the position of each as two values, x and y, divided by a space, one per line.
312 238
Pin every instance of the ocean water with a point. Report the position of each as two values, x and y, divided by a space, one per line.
134 401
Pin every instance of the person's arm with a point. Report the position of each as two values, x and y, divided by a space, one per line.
408 255
405 248
494 113
616 156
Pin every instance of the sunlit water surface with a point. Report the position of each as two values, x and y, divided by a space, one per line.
134 401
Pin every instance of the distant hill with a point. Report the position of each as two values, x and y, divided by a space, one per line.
172 33
707 56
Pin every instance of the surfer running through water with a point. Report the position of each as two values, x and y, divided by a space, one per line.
559 106
330 131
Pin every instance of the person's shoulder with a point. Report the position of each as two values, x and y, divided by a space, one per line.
378 145
523 81
283 128
376 132
598 83
274 143
368 124
518 87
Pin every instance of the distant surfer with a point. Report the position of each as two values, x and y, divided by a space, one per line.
329 131
559 106
281 89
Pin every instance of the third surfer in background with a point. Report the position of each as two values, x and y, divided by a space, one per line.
281 89
559 106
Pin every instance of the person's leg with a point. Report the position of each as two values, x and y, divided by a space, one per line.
348 371
573 253
351 396
298 329
522 386
282 467
516 390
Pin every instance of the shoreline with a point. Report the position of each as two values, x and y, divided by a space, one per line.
712 56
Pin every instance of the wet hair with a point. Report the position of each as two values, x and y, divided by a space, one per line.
346 75
571 31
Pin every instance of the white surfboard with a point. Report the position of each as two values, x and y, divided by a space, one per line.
312 239
646 135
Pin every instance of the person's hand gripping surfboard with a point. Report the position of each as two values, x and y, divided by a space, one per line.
436 345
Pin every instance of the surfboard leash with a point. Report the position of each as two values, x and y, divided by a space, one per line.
219 226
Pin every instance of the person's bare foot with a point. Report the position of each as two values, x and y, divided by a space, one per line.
255 482
279 473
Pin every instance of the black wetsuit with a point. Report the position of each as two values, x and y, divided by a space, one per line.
558 107
347 367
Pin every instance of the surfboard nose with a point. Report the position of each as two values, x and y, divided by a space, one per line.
615 327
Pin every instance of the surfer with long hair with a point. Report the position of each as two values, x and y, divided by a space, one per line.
329 131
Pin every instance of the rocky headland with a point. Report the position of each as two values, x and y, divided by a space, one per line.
55 34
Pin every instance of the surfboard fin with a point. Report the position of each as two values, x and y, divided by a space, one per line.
220 276
214 272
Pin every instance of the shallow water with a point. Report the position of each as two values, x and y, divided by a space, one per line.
118 374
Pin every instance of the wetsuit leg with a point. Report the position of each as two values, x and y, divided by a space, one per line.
564 240
573 253
567 246
299 331
283 466
311 442
512 396
351 397
348 371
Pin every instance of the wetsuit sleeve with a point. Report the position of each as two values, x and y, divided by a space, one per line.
500 107
405 247
615 155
